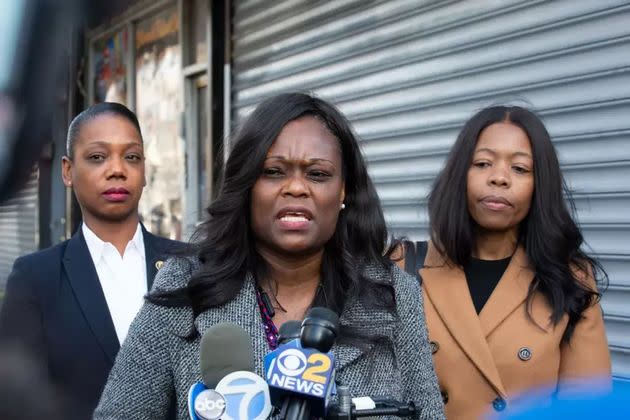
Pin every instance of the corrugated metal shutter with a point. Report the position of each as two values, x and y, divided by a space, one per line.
19 226
409 73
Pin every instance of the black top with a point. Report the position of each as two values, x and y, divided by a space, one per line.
482 277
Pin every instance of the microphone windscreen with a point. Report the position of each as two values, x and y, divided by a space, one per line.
225 348
322 316
290 330
319 329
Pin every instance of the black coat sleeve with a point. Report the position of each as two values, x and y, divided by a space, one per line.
21 320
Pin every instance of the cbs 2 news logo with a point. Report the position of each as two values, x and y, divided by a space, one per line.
305 371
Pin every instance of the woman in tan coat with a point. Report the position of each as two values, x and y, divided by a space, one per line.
510 299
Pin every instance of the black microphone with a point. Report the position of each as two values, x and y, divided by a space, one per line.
290 330
301 395
319 331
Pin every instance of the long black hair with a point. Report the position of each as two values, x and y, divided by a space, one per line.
549 235
227 246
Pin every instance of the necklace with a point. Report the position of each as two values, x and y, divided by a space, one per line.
267 313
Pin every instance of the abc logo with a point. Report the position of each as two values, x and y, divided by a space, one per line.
291 362
209 405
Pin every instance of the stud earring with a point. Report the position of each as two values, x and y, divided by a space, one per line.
343 206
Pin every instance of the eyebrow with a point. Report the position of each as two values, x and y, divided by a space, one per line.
313 160
104 143
485 149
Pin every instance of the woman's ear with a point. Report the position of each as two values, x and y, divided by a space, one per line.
343 193
66 171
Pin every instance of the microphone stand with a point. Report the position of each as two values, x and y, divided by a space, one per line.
399 410
345 409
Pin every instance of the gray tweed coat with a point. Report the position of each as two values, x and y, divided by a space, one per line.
154 365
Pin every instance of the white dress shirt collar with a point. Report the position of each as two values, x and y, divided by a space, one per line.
96 244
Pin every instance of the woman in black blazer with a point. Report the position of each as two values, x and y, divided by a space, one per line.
54 306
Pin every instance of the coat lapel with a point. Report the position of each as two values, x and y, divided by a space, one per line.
346 354
151 255
242 311
84 281
379 321
509 294
445 285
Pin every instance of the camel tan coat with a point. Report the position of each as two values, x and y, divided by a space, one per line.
483 362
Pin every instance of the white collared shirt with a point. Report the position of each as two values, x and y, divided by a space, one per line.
123 279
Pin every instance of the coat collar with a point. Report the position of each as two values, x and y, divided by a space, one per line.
87 289
509 294
380 323
446 287
242 311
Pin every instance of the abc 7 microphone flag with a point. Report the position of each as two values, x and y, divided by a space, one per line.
238 396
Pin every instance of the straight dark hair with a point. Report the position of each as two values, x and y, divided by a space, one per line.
227 246
549 235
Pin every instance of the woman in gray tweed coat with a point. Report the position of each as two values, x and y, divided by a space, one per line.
297 223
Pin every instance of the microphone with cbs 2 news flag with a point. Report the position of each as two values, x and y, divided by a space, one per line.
301 375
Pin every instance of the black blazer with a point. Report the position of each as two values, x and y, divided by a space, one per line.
55 306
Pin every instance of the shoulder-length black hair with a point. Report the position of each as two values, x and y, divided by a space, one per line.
227 246
549 235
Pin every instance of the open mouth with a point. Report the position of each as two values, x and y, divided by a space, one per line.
294 218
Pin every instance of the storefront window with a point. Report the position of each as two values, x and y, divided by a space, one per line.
205 156
159 106
110 68
199 32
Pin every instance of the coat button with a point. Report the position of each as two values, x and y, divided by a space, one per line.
444 396
524 353
435 346
499 404
159 264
